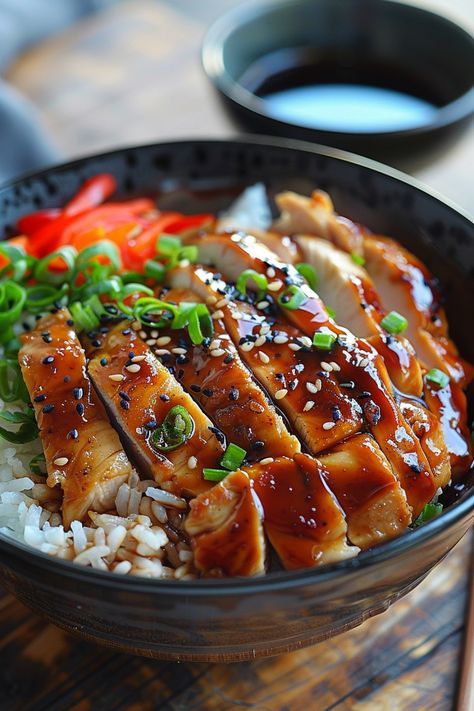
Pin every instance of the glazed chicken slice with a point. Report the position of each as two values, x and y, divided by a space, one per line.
360 477
141 395
225 526
214 375
429 430
319 409
301 517
356 361
83 452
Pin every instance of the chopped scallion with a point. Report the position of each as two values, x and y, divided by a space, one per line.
394 322
357 259
250 275
308 272
214 474
323 341
292 298
437 377
233 457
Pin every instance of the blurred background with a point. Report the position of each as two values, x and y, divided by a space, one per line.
81 76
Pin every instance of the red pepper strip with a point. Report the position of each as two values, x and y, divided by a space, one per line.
45 240
107 216
92 193
139 249
28 224
189 222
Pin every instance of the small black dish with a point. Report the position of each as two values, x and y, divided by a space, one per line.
287 67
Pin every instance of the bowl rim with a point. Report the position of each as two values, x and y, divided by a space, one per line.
276 580
215 68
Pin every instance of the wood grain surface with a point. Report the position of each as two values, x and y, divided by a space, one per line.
130 75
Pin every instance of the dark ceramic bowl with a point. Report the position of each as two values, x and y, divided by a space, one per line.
238 619
383 43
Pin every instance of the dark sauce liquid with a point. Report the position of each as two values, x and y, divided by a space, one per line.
337 93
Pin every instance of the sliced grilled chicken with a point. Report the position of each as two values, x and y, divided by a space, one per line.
429 430
83 452
139 393
214 375
320 410
302 518
361 479
357 361
225 525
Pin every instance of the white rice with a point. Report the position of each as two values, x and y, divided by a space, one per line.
135 539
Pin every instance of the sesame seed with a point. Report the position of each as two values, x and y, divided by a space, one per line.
47 339
162 351
67 378
275 285
264 329
263 305
39 398
214 344
308 406
335 366
207 392
78 393
318 383
155 334
124 395
162 340
280 394
280 339
70 322
124 404
192 462
350 384
260 341
267 460
138 358
80 408
217 352
220 304
247 346
271 273
211 299
311 387
60 461
48 408
136 325
179 351
164 398
103 361
218 314
263 357
96 343
181 359
294 346
151 424
306 341
364 362
126 331
151 341
184 263
234 394
196 388
133 368
48 360
326 366
328 425
117 377
228 359
73 434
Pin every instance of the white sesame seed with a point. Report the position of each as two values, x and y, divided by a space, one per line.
138 358
236 316
211 299
294 346
184 263
151 341
281 339
220 304
264 329
218 314
117 377
155 334
364 362
263 304
335 366
260 341
280 394
136 325
162 351
306 341
61 461
311 387
143 334
134 368
325 366
214 344
328 425
267 460
308 406
217 352
162 341
224 337
271 273
275 285
319 384
192 462
263 357
247 346
179 351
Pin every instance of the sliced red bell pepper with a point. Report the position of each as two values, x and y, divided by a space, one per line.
28 224
92 193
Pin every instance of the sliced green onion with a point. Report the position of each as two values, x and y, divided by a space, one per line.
357 259
183 312
12 302
330 311
308 272
200 324
129 290
154 270
19 262
12 385
394 322
175 430
84 316
42 271
146 308
112 286
323 341
41 296
103 248
189 252
128 277
437 377
233 457
430 511
168 245
292 298
215 474
251 275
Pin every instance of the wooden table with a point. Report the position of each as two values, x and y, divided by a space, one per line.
132 75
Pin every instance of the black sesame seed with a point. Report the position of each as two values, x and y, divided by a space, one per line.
151 424
26 326
124 404
73 434
80 408
67 378
207 392
258 444
103 361
164 398
206 342
104 329
228 359
292 384
126 331
124 395
336 414
48 408
96 343
196 388
363 395
234 393
279 376
78 393
180 373
323 374
48 360
350 384
47 339
415 468
131 355
39 398
70 322
182 359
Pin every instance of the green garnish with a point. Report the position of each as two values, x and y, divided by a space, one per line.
12 385
437 377
175 430
171 249
292 298
251 275
36 462
12 302
323 341
154 270
214 474
66 256
200 324
233 457
394 322
330 311
430 511
28 430
308 272
358 259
